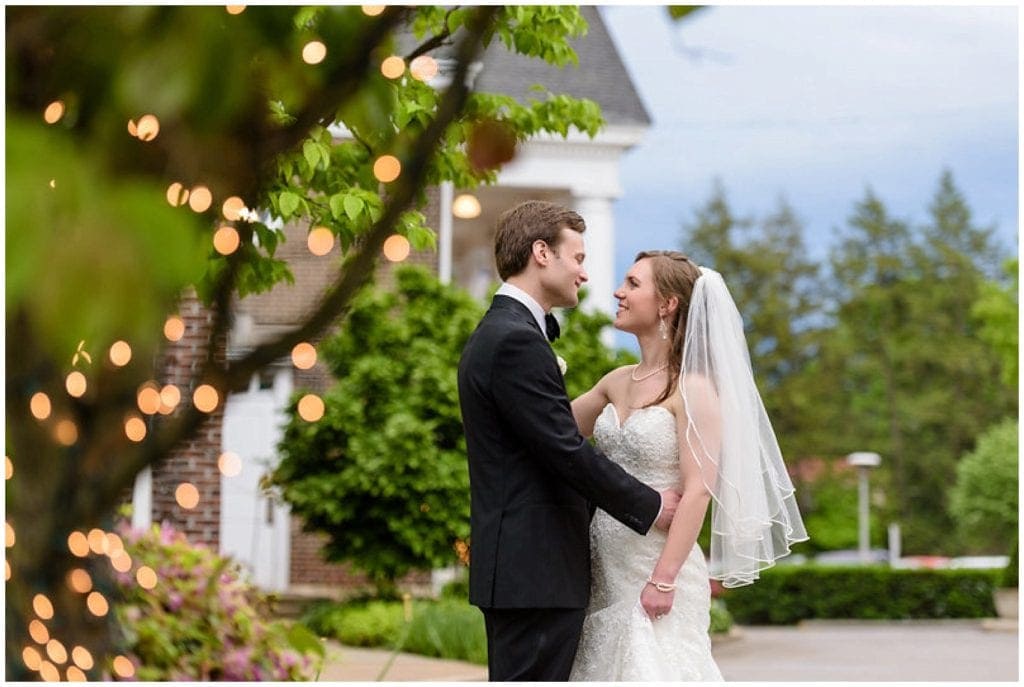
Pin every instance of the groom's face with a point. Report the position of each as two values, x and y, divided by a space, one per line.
565 273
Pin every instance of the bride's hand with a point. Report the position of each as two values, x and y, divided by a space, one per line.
656 603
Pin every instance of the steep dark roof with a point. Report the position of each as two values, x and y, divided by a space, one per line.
601 76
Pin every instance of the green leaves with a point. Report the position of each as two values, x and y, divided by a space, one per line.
87 259
288 203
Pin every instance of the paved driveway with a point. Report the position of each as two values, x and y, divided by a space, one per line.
873 650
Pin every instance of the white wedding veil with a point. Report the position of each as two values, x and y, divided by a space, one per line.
754 516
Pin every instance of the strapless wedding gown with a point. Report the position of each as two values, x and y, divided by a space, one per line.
619 642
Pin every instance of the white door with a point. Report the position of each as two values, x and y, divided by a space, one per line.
254 529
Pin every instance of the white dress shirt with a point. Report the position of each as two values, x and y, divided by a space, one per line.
526 299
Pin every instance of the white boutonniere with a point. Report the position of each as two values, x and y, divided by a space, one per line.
562 365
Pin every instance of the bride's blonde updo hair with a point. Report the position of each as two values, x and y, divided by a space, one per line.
674 275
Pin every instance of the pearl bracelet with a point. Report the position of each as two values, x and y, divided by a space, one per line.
662 586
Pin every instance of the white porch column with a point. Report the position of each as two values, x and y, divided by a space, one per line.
142 500
444 233
600 263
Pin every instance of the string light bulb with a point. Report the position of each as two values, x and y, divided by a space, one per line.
311 407
396 248
387 168
314 52
53 112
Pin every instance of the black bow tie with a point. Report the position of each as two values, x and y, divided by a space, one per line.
551 326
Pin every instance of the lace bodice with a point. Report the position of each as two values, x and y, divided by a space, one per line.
645 444
619 642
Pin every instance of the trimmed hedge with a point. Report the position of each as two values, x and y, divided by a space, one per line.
787 595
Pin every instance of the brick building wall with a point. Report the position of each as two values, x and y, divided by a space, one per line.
196 460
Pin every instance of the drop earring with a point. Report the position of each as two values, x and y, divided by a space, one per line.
662 329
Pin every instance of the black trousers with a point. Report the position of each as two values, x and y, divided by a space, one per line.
532 644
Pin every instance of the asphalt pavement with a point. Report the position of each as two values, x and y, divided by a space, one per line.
858 651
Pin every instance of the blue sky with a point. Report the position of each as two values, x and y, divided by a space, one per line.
816 103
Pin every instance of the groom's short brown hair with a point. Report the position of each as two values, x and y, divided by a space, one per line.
521 225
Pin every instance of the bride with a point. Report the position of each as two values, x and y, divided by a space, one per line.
687 416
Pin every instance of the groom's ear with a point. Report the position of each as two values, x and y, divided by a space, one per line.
541 252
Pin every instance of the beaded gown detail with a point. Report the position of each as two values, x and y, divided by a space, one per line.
619 642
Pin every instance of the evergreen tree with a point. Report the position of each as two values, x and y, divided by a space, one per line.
773 282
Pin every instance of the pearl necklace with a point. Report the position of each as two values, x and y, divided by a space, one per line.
632 375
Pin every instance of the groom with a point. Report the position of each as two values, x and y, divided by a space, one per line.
534 481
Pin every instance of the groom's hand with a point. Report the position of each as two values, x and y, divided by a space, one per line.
669 501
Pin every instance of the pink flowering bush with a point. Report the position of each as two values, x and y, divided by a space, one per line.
203 620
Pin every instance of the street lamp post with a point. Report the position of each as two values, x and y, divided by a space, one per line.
863 461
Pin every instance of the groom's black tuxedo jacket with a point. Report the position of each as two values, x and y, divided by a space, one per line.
534 480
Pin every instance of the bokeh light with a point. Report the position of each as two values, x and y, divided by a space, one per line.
135 428
373 10
235 9
40 406
48 672
423 68
114 542
148 127
148 398
79 580
123 667
177 194
31 657
120 353
314 52
53 112
56 651
7 570
320 241
38 632
82 658
8 467
75 384
304 355
187 495
392 67
174 328
42 606
311 407
97 604
98 542
66 432
200 199
466 206
170 397
76 675
229 464
146 577
232 208
133 128
205 398
387 168
9 537
226 240
78 544
121 561
396 248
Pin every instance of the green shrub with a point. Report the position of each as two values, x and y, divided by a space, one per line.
786 595
373 623
1009 575
203 620
456 589
984 499
447 629
721 618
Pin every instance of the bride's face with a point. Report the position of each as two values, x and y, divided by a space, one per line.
638 300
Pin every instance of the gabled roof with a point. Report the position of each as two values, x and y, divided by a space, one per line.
601 76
